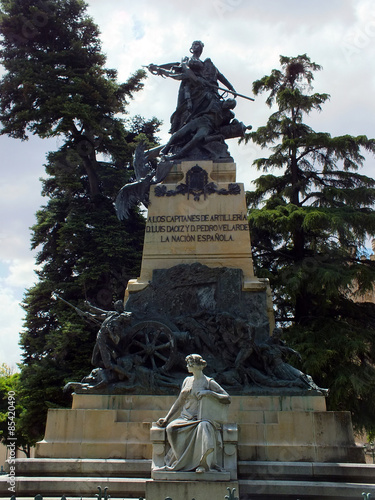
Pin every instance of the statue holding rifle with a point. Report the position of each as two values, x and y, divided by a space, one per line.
202 111
107 349
201 123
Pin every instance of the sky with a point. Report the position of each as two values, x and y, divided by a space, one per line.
244 39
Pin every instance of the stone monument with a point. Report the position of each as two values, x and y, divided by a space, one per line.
197 293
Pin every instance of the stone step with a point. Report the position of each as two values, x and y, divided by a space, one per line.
252 489
122 402
246 416
144 416
127 479
44 467
95 449
338 472
70 467
263 451
162 404
131 488
120 487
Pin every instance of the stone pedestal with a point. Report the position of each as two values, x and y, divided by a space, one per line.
227 460
186 224
270 428
186 490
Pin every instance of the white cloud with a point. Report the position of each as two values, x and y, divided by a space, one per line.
17 275
20 188
21 274
11 321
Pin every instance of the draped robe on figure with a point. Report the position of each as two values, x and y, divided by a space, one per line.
189 437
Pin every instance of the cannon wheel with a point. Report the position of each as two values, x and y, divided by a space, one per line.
154 343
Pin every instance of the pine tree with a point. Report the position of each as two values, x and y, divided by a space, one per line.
309 226
56 85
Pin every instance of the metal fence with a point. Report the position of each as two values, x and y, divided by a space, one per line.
103 494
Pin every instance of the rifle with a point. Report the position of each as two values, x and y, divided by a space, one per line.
82 314
153 68
236 94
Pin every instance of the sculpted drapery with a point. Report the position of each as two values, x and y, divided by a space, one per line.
195 442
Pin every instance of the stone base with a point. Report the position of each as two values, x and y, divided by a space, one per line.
53 478
270 428
188 225
164 475
186 490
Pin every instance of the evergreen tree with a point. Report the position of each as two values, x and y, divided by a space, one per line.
306 226
55 84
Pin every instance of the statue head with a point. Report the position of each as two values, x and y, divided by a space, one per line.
229 104
125 362
119 306
195 360
197 48
277 333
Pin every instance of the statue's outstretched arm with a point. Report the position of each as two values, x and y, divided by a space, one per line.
96 310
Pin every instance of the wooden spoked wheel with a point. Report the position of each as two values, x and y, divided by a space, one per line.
154 343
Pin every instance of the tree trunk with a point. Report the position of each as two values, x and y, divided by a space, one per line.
89 164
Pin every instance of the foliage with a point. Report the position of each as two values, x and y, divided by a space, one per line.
306 226
11 411
56 85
